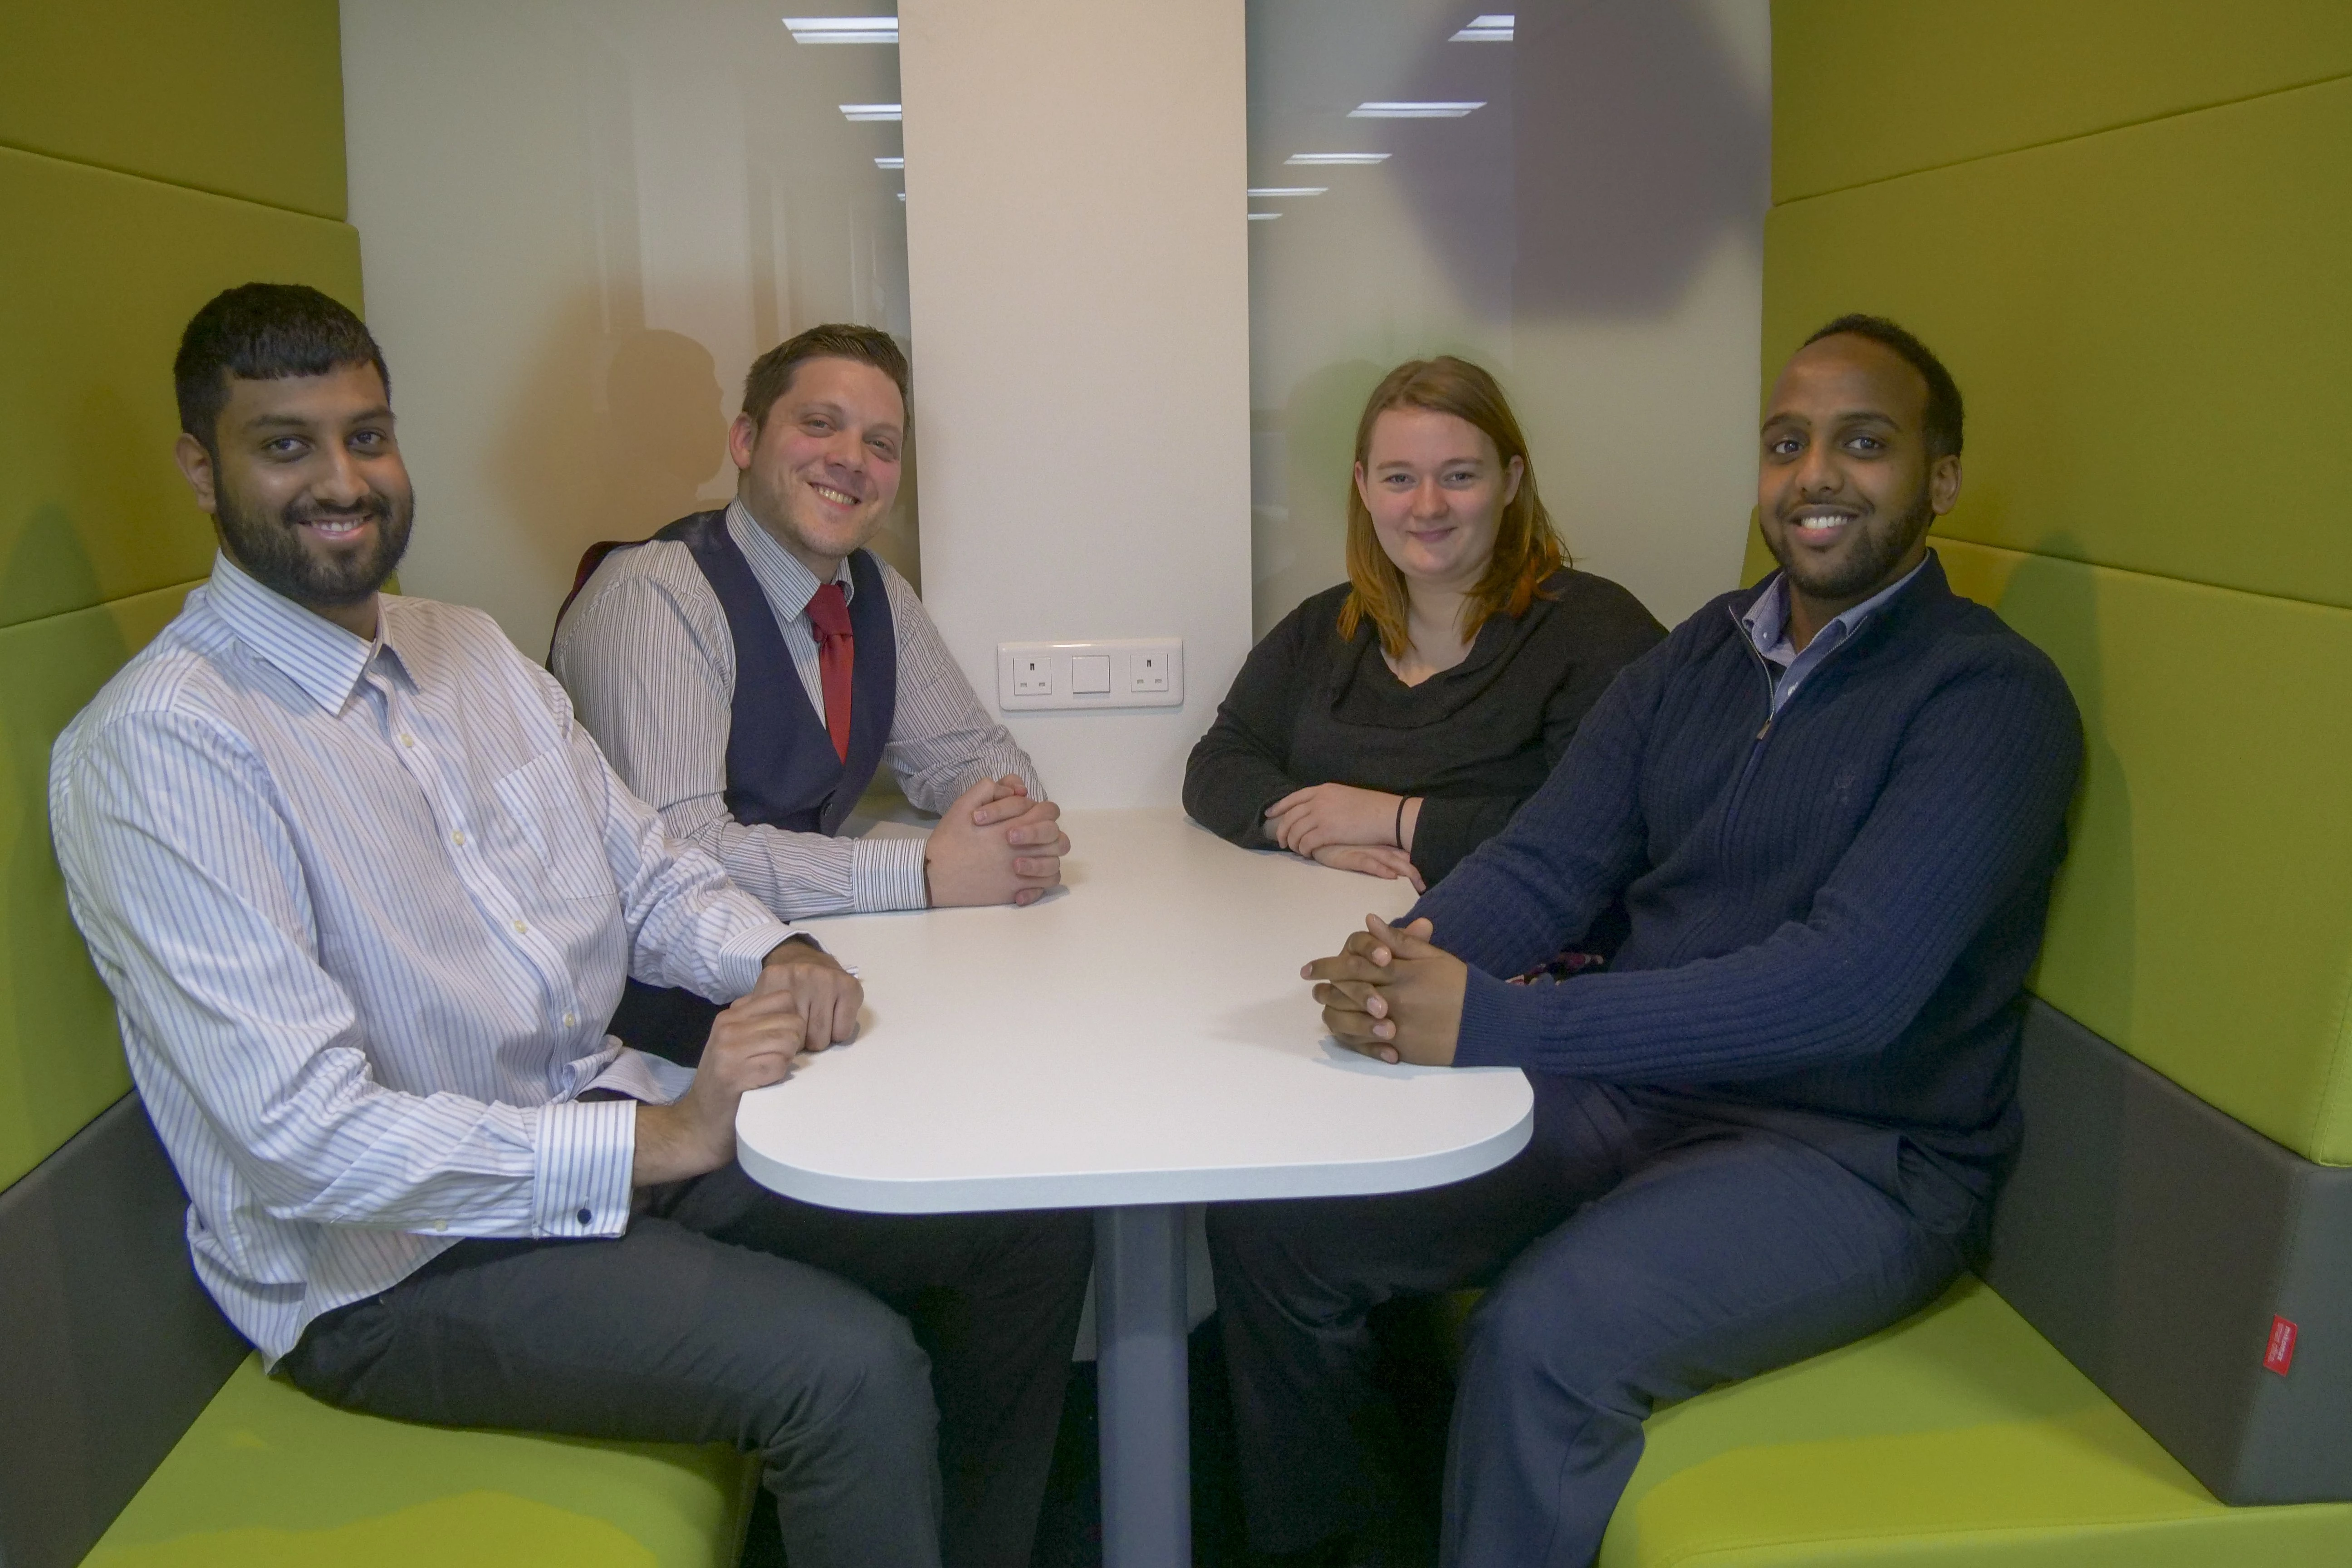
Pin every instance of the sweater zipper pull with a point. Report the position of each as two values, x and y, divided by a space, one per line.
1764 732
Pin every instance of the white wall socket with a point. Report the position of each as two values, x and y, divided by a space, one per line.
1142 672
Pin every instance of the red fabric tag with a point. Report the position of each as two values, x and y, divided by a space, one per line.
2280 1353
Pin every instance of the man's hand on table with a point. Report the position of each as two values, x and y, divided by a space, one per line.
829 996
752 1044
995 845
1391 995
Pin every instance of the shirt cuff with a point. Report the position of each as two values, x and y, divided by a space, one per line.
741 955
580 1168
887 874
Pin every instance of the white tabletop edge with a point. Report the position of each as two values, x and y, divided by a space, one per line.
1131 1188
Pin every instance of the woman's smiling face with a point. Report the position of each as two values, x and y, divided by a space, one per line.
1436 489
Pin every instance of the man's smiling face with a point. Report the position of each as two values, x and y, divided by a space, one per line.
305 483
821 471
1846 487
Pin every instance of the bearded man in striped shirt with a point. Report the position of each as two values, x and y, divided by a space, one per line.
366 894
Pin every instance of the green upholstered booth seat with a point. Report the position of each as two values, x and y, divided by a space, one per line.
245 98
1930 82
2151 327
60 1062
269 1477
2200 922
99 275
1955 1439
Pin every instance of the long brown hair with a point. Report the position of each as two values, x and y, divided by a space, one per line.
1528 549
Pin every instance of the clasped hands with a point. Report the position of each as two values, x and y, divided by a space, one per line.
1392 995
1365 830
995 845
803 1000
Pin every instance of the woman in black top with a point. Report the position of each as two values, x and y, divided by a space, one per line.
1391 724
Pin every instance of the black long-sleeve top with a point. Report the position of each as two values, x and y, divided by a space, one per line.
1472 742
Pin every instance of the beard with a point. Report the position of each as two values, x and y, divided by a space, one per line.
1875 554
272 550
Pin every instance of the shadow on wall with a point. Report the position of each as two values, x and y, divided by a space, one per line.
612 439
615 438
1640 143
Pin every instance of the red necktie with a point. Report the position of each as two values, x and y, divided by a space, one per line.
837 654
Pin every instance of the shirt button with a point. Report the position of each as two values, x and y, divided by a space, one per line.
520 928
585 1218
569 1019
440 1224
408 740
458 838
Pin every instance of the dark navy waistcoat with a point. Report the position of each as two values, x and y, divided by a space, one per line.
781 770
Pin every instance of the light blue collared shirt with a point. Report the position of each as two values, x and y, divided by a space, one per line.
1766 625
364 908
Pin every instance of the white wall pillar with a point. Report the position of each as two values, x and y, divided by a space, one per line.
1078 272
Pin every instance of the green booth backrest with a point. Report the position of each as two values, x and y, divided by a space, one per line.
2124 226
151 152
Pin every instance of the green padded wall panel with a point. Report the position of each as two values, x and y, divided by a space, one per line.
269 1477
245 98
2152 327
60 1061
1957 1439
1923 83
2203 920
99 274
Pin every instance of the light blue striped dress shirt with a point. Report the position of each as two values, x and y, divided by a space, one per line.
364 909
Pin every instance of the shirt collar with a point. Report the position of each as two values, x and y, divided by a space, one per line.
315 654
1767 620
788 584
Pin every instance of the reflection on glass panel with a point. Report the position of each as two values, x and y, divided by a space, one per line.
1570 194
580 221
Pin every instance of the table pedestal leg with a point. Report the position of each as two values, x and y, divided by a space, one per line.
1141 1389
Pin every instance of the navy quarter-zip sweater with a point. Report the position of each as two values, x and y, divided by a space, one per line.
1833 913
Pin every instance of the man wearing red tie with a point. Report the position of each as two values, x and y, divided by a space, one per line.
747 671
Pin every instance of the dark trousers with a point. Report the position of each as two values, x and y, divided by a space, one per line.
1636 1254
901 1376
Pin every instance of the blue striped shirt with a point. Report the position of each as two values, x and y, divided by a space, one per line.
364 908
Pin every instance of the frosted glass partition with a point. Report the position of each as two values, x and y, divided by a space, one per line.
580 221
1571 194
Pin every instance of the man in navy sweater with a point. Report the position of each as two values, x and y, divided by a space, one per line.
1831 807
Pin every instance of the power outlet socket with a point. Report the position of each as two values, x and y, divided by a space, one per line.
1145 672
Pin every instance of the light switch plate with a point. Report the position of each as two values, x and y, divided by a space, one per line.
1145 672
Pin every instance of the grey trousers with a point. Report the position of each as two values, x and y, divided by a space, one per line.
1635 1253
900 1376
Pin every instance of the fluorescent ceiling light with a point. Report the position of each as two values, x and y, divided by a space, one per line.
1335 160
1413 110
873 112
890 163
1255 217
844 29
1487 31
1288 190
902 195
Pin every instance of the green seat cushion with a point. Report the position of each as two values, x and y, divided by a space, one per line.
2119 310
269 1477
60 1059
1930 82
1956 1438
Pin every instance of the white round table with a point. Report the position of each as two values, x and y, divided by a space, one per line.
1136 1042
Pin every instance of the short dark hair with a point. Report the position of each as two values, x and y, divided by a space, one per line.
1944 411
263 332
772 373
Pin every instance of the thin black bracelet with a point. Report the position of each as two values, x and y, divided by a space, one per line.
1399 834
